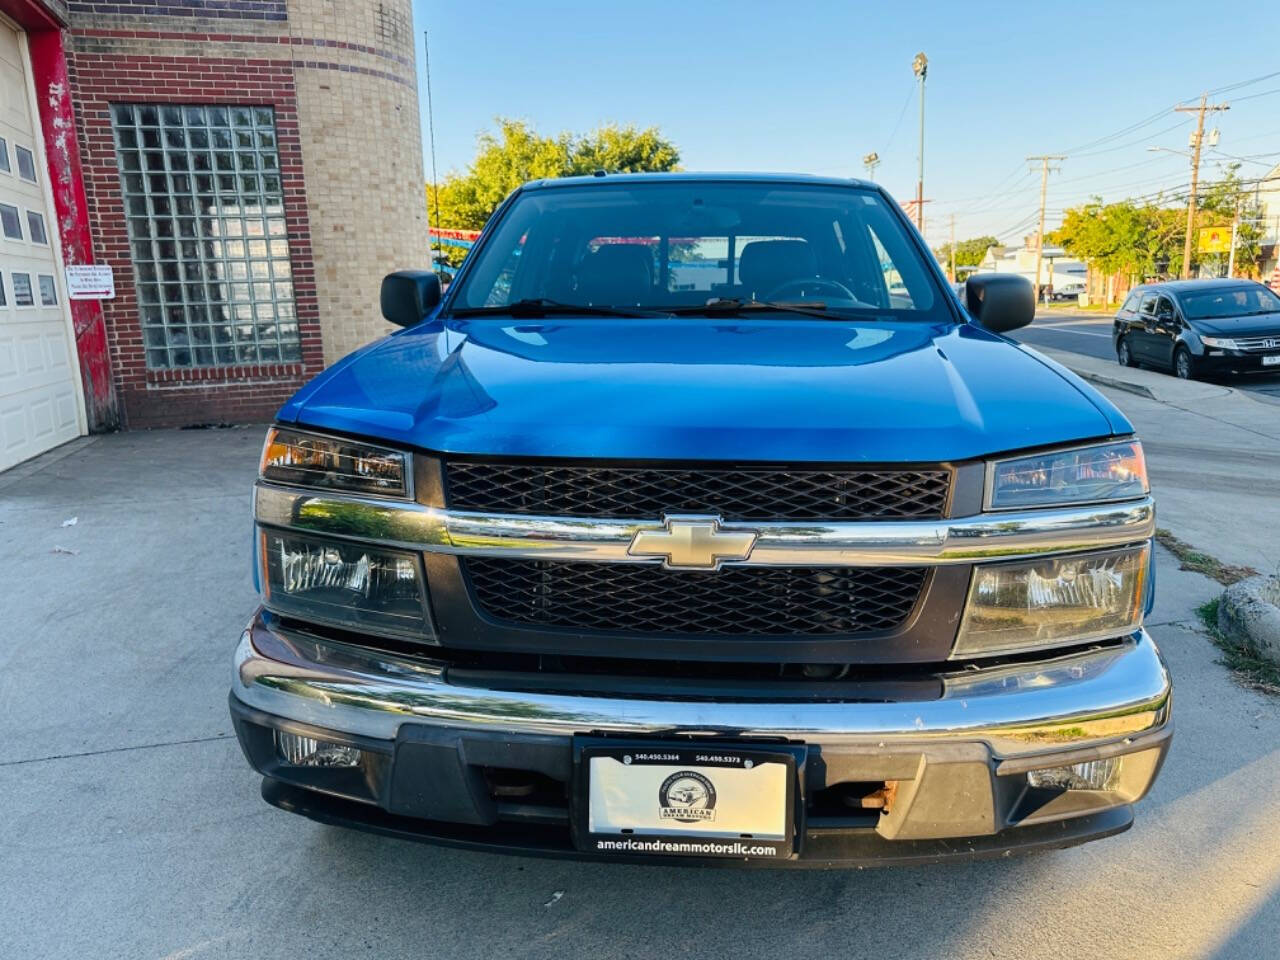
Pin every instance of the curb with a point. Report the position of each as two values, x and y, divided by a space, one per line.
1113 382
1248 613
1161 388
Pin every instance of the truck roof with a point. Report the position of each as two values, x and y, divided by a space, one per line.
700 177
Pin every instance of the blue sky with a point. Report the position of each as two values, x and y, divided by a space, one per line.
812 87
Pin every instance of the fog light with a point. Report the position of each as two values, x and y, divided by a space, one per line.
1094 775
310 752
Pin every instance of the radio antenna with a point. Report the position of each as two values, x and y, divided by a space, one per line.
431 131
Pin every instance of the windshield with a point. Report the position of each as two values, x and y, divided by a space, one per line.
677 245
1229 302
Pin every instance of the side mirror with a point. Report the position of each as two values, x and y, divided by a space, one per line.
1000 301
409 295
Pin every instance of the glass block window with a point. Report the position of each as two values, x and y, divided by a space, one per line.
205 207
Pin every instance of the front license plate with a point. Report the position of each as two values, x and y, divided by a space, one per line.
1271 361
703 801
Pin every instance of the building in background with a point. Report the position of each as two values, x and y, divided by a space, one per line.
246 169
1268 197
1065 274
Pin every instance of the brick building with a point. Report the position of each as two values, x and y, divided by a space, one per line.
248 169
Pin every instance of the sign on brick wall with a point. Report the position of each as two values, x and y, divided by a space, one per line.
94 281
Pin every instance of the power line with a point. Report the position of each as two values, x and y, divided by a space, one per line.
1254 96
1243 83
1131 143
901 113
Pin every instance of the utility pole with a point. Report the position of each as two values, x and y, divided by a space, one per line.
871 161
951 274
1044 186
1235 229
1200 111
920 67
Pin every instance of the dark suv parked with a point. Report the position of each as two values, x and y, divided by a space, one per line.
1200 327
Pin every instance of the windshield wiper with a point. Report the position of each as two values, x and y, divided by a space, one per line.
544 307
732 306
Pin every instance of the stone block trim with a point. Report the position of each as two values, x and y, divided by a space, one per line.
201 394
220 9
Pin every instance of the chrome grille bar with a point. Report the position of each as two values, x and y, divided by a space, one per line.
1009 535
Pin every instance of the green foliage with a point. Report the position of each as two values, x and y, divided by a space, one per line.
1218 208
1147 240
1141 241
516 154
623 150
969 253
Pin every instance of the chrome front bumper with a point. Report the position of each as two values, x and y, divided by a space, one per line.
1096 699
956 760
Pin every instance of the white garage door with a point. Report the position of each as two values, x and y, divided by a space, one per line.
39 405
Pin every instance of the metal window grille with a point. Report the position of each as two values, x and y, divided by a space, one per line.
210 248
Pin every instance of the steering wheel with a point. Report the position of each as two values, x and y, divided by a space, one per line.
811 283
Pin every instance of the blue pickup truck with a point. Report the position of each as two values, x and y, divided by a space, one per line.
700 519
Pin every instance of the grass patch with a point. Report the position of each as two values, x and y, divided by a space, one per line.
1200 562
1250 669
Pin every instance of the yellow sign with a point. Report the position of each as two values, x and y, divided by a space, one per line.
1215 239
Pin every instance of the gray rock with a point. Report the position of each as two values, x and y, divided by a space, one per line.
1249 613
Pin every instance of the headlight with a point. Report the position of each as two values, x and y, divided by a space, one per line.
1222 343
346 584
1108 471
1053 602
333 463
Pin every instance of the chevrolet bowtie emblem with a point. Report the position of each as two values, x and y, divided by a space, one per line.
693 543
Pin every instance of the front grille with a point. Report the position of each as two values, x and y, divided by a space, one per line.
732 601
746 493
1258 344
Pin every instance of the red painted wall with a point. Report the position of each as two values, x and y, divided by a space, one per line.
58 122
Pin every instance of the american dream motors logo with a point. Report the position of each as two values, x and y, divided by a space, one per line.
687 797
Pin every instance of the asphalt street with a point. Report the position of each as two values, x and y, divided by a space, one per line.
132 826
1090 334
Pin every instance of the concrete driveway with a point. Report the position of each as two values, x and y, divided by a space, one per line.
132 827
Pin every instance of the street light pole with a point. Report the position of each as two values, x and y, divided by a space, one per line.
920 67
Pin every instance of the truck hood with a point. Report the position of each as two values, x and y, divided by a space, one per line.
789 389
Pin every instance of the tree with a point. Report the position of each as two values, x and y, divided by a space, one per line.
969 253
1222 201
516 154
623 150
1125 238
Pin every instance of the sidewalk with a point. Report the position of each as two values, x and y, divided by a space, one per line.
1213 453
137 829
1159 386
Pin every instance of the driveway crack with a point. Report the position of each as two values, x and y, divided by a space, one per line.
137 746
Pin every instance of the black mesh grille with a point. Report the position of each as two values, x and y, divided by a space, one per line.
748 493
733 601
